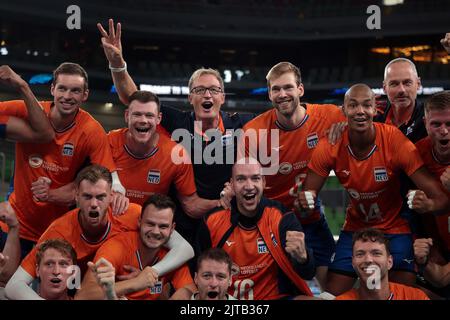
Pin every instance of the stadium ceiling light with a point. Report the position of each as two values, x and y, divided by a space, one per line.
392 2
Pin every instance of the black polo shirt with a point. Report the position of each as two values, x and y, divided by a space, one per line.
209 177
414 129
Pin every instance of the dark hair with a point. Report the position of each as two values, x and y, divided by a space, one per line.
60 245
373 235
93 173
216 254
281 68
160 201
439 101
71 69
144 97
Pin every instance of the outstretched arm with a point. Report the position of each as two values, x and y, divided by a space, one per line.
112 47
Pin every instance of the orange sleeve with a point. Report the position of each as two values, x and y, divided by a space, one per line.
29 262
321 160
4 119
129 220
184 177
99 148
16 108
181 277
409 158
112 250
349 295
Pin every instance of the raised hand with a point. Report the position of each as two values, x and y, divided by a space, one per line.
11 79
111 43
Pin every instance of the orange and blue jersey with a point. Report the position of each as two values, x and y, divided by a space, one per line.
440 229
295 149
153 173
124 250
68 228
373 182
59 160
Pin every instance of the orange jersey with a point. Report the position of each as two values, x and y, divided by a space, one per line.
295 150
373 183
59 160
153 174
398 292
68 228
258 271
437 169
123 250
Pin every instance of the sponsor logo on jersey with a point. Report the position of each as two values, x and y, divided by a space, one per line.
154 176
285 168
354 194
67 149
262 248
380 174
35 160
312 140
157 289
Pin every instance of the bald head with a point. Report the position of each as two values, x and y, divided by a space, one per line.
246 162
357 90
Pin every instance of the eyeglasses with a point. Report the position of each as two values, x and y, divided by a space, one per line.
202 90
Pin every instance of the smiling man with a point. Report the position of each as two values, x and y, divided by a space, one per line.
265 241
48 169
204 128
368 159
371 260
88 227
140 249
143 157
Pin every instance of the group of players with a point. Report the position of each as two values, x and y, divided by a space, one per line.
96 215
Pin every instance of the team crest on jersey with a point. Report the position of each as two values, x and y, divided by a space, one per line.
35 160
67 149
154 176
274 240
157 289
312 140
380 174
285 168
262 248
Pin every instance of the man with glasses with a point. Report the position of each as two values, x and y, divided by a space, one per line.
207 127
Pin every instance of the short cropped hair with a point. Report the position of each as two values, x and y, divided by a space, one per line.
373 235
93 173
60 245
216 254
144 97
70 68
397 60
160 201
202 71
281 68
439 101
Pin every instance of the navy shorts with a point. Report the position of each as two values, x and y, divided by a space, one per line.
318 237
400 245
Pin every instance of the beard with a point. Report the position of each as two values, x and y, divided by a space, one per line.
289 110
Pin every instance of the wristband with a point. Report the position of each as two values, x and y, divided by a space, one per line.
124 68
